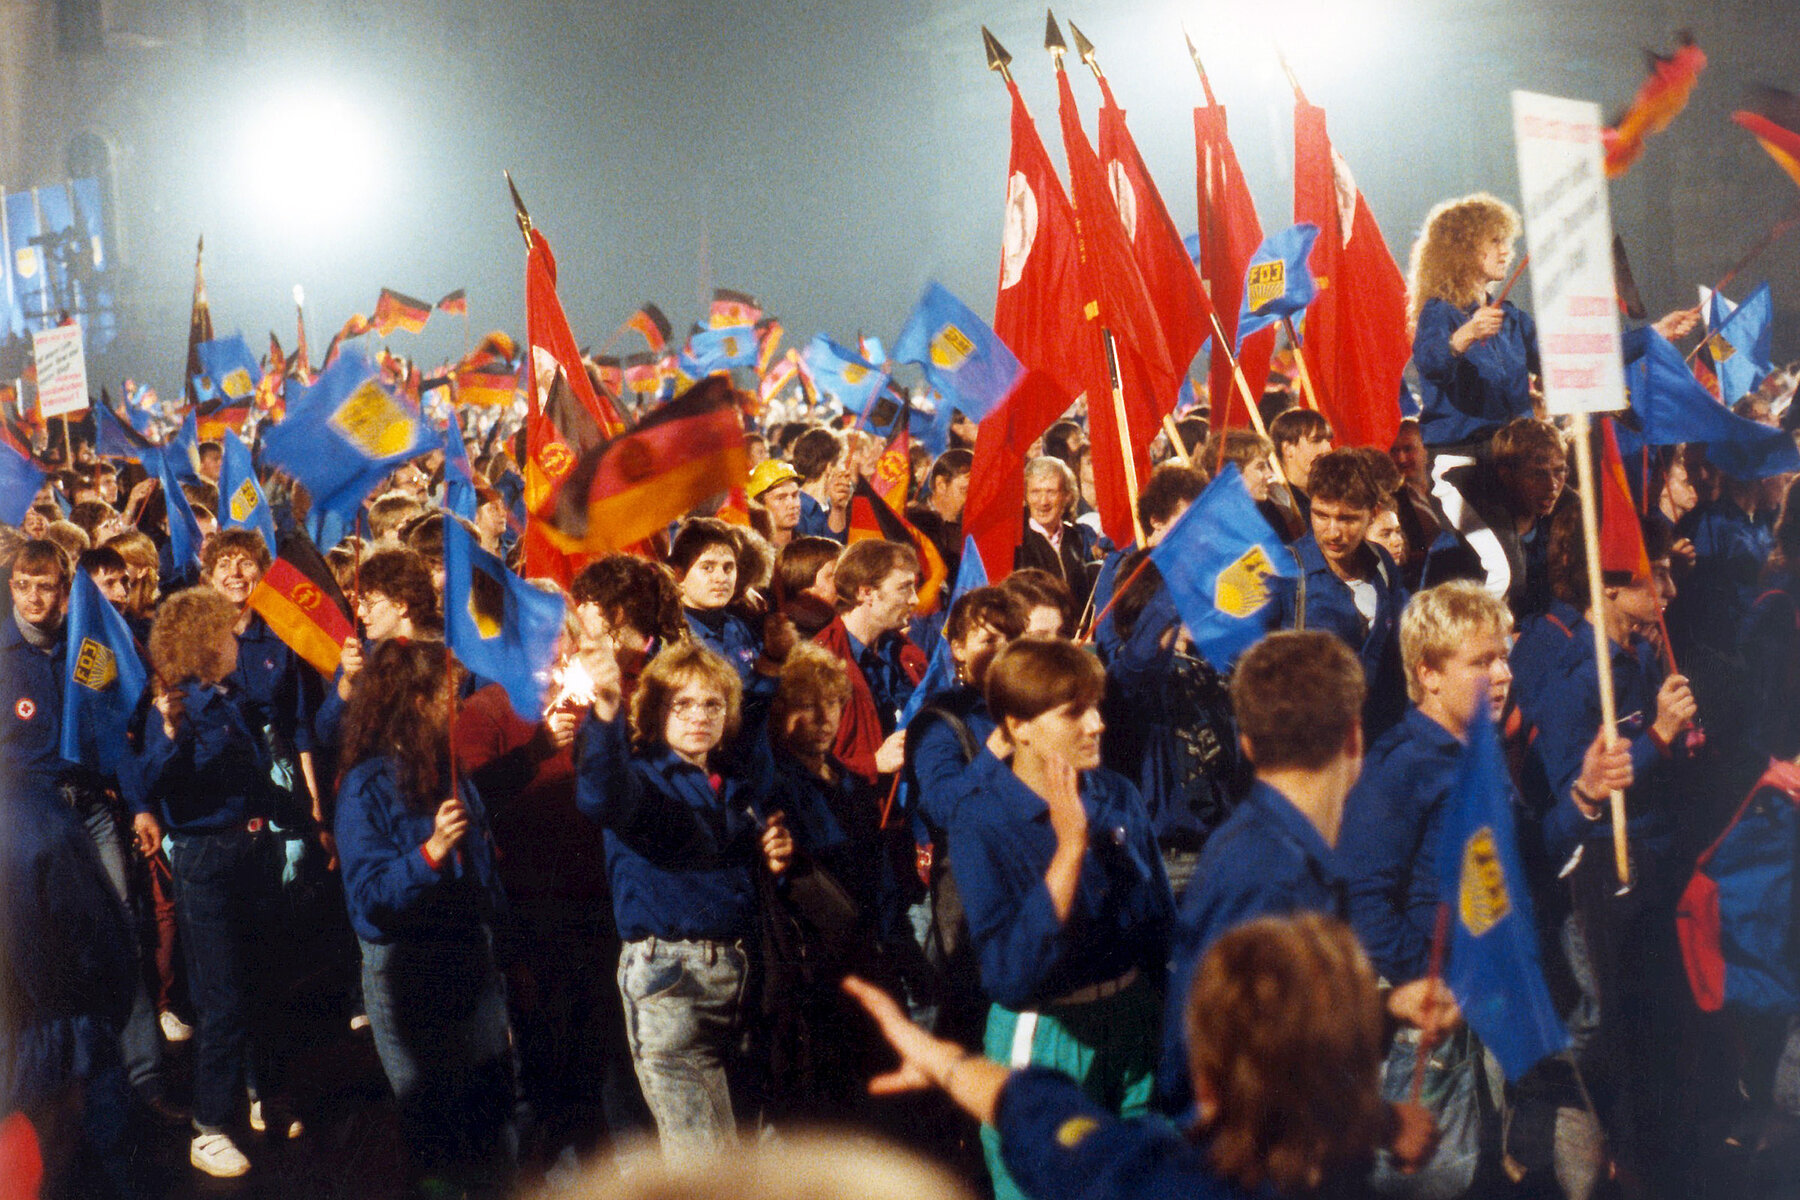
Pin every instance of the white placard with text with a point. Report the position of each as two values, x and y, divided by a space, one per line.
61 370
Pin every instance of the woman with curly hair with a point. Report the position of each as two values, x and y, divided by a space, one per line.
419 875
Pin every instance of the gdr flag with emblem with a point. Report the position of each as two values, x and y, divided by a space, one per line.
502 628
1217 560
106 680
241 501
228 369
1493 950
963 359
1277 282
344 435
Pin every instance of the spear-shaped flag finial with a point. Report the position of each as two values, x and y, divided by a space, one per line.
1053 38
997 57
1084 50
1199 67
1287 70
524 218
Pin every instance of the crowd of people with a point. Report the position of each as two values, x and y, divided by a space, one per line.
1155 925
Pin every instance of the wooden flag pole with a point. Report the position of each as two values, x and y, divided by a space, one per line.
1518 274
1306 386
1221 342
1590 532
1175 443
1128 456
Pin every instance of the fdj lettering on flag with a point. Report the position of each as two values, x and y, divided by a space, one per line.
951 348
1267 283
374 422
95 666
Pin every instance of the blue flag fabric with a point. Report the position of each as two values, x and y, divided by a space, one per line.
1739 344
1217 560
105 682
1277 283
710 350
1671 408
514 651
138 409
963 358
183 450
241 495
345 435
184 530
1493 949
229 368
115 439
459 476
843 374
20 482
940 672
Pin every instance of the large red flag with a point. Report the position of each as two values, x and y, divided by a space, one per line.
1229 235
1355 343
1116 299
994 513
1162 260
1621 533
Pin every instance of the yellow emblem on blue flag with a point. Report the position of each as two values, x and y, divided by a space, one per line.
1074 1131
488 627
237 385
26 258
1267 282
1482 898
374 422
95 666
951 348
243 501
1243 587
854 374
1719 348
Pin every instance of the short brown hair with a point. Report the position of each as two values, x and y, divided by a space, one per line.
1038 588
247 542
1342 477
1298 424
186 635
675 665
811 674
813 453
390 511
867 563
1284 1028
798 565
403 577
1297 695
998 609
696 536
1242 446
1516 443
41 556
1034 675
632 591
1170 488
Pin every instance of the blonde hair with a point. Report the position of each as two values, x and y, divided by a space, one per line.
808 1164
1439 619
189 631
681 663
1446 257
811 675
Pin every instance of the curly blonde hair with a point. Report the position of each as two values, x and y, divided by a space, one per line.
1446 257
186 640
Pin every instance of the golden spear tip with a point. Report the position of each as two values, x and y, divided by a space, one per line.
1053 38
997 57
1084 49
1199 67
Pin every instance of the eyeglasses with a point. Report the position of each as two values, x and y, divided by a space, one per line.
370 600
704 708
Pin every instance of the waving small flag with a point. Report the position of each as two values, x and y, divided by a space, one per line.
396 311
718 348
1277 283
1672 408
843 375
505 629
228 370
241 495
1659 99
1776 127
106 680
455 303
731 308
1739 342
650 324
1621 534
963 358
300 599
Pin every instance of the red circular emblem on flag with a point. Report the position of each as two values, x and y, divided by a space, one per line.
556 460
26 708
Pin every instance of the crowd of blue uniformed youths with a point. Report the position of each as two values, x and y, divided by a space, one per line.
1036 867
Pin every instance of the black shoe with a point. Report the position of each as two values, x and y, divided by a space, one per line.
163 1110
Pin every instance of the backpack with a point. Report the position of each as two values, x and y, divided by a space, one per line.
1735 918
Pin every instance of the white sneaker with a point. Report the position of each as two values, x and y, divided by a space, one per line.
217 1155
260 1124
174 1029
359 1022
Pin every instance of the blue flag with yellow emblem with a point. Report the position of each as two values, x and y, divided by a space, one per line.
1277 282
228 370
710 350
963 359
105 682
1739 344
501 627
1217 560
843 374
345 434
1672 408
1492 963
241 501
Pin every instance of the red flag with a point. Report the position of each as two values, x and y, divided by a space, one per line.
1229 236
1621 534
1116 299
1174 286
548 336
1356 344
1659 99
994 512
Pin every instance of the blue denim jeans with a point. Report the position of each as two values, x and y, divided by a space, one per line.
437 1009
682 1009
223 896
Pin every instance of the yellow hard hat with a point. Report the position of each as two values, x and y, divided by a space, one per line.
768 473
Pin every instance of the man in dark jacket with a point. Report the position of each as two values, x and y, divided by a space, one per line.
1053 543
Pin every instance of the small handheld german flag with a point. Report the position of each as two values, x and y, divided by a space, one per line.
396 311
1775 124
300 600
1658 101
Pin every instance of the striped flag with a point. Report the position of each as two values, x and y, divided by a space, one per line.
393 310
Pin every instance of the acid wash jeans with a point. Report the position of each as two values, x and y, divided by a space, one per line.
682 1018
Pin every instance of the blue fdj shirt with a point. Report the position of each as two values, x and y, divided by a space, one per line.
392 890
1001 844
277 689
1715 597
31 689
1770 645
215 772
680 854
1388 844
815 521
1331 607
729 636
1266 859
1060 1145
885 674
1558 694
1467 397
935 752
837 824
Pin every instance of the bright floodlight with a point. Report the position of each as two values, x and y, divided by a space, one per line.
1323 40
299 296
309 163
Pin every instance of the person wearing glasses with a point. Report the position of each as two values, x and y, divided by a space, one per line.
684 803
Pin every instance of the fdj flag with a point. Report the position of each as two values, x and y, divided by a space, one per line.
106 679
710 350
1218 560
843 374
1739 343
1277 283
20 482
963 358
241 501
228 370
1493 956
501 627
345 434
